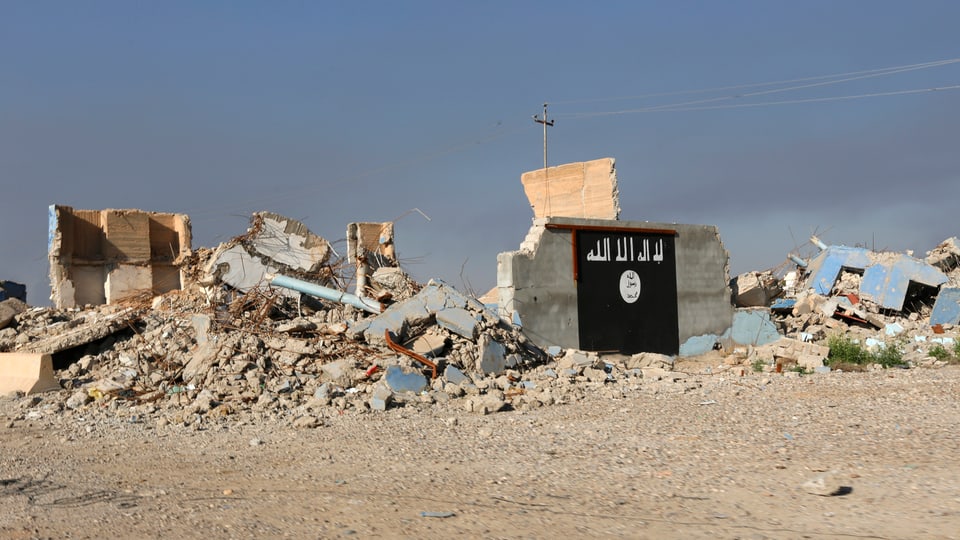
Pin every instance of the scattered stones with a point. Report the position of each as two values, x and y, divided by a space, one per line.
825 485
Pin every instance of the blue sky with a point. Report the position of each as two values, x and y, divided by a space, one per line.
332 112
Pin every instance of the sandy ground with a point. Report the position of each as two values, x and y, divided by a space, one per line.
713 456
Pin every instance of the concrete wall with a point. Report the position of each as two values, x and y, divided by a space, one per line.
104 256
537 283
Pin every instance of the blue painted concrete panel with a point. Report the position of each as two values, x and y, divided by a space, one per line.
753 327
826 266
946 310
887 284
698 345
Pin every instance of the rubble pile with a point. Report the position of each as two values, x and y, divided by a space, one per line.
877 299
238 344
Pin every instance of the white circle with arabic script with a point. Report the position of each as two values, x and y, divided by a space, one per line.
630 286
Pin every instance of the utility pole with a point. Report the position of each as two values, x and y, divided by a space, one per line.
546 123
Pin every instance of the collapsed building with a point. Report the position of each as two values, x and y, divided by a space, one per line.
263 324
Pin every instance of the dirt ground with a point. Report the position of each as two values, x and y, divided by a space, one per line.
713 456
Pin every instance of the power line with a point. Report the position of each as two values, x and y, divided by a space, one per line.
770 103
881 71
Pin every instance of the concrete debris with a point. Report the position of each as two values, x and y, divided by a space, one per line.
273 244
755 289
370 247
827 484
946 256
10 308
886 277
222 346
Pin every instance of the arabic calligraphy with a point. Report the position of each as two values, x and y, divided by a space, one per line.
626 250
630 286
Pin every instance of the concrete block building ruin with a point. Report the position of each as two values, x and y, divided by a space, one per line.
104 256
584 279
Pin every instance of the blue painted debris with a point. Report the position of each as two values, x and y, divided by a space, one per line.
753 327
403 381
698 345
946 310
885 280
783 305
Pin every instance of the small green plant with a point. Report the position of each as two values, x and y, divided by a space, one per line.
956 348
939 352
848 355
845 351
758 365
889 356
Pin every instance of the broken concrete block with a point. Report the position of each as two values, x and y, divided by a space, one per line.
27 373
492 357
755 289
580 190
340 372
204 357
234 266
381 398
287 243
273 244
824 485
459 321
574 359
401 380
946 256
646 360
10 308
429 345
484 404
454 375
806 355
201 325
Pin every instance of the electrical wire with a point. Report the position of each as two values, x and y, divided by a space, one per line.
771 103
895 69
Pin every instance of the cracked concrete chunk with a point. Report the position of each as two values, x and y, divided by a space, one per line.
458 321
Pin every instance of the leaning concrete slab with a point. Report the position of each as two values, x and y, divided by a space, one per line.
579 190
946 309
106 256
273 244
27 373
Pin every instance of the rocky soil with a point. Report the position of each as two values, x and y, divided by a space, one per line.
688 455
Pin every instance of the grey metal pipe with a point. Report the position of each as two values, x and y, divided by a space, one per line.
326 293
